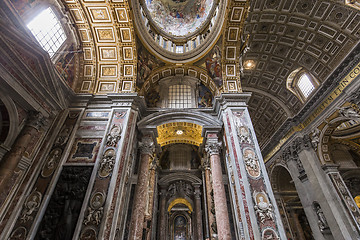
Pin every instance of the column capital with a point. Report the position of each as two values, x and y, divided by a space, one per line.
36 120
147 145
213 147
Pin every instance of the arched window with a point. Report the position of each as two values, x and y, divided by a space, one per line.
305 85
48 31
301 83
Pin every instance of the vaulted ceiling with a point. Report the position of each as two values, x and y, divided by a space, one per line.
284 35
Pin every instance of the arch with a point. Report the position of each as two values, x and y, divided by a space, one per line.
325 134
180 176
14 127
180 71
180 201
153 120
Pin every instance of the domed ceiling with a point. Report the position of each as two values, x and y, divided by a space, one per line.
179 17
284 35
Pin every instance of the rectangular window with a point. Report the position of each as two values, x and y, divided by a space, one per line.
48 31
179 96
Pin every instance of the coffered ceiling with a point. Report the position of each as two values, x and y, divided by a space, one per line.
284 35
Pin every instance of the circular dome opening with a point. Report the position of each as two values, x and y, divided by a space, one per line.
179 18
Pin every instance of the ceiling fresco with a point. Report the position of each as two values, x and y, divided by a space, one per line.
179 17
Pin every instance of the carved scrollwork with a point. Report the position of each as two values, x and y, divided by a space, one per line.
114 135
107 163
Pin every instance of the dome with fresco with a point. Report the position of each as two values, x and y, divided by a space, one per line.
179 18
179 30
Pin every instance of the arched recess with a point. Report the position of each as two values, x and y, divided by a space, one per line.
180 71
323 148
158 118
8 136
291 210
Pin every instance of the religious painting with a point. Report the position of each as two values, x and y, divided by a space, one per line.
205 97
213 65
152 96
179 17
65 65
180 228
146 63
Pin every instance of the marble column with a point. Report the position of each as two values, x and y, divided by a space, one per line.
221 211
199 225
12 158
162 215
208 186
147 148
149 213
